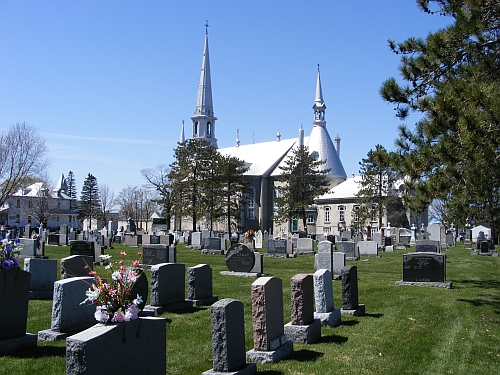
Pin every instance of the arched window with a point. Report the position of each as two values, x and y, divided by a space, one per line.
342 214
209 129
195 128
355 213
327 214
251 204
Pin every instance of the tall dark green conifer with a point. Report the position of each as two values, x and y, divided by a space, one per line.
70 180
90 203
302 182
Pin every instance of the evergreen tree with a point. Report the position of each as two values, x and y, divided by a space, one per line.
189 175
452 79
70 180
302 181
376 187
90 203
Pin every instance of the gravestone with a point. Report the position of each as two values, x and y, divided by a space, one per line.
405 240
276 247
76 266
137 347
350 304
196 238
258 267
200 285
324 258
53 239
377 237
326 312
133 240
258 240
228 339
239 258
338 264
305 246
349 249
82 248
450 240
270 342
302 328
368 248
346 235
140 288
425 269
27 231
14 300
427 246
484 247
388 241
155 254
168 288
212 243
331 238
43 276
68 315
31 248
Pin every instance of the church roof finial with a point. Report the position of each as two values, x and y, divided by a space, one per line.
206 27
204 105
182 138
319 92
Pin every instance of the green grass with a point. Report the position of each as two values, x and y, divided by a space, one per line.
407 330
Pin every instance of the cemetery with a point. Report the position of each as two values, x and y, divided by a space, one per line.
297 318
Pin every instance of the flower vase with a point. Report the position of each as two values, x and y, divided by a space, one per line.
14 298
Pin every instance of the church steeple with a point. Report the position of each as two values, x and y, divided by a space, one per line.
204 119
319 106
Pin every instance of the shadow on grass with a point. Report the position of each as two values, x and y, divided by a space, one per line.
41 352
490 284
374 315
493 302
189 310
271 372
305 355
349 323
333 339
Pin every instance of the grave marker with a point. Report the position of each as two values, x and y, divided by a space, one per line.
240 258
326 312
350 305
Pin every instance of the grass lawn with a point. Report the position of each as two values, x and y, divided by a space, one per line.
407 330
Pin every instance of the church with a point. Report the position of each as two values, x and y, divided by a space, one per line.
334 211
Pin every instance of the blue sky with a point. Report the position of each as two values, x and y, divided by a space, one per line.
108 83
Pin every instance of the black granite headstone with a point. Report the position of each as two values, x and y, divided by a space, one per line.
424 267
388 241
349 288
484 248
239 258
426 248
154 240
82 248
331 238
276 246
212 243
154 254
140 288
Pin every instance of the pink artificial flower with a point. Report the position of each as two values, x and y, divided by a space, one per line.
135 263
123 253
118 317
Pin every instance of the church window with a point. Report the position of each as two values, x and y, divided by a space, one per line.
29 218
251 204
326 230
18 218
327 214
374 213
18 203
209 129
310 218
195 130
356 214
342 214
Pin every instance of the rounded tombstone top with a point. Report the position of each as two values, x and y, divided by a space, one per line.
239 258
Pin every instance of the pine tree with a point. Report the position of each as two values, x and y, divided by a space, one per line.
90 203
302 181
452 79
70 180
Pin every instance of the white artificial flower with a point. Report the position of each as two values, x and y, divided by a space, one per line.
116 276
110 265
138 300
105 256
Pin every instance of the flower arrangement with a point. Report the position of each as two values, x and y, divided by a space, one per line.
9 252
249 233
112 297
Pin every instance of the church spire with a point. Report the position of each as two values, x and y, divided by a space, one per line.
182 139
204 119
319 106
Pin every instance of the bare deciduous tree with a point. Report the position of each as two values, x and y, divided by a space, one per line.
107 202
23 154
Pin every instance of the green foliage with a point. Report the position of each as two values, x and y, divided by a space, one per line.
302 181
205 183
452 79
90 203
377 191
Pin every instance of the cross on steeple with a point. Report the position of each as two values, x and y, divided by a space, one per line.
206 26
318 67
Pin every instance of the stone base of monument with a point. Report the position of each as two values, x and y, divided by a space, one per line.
208 301
351 258
329 319
294 255
21 343
489 253
249 369
171 307
435 284
241 274
360 311
306 334
389 249
400 247
41 294
284 351
194 247
210 251
302 252
51 335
